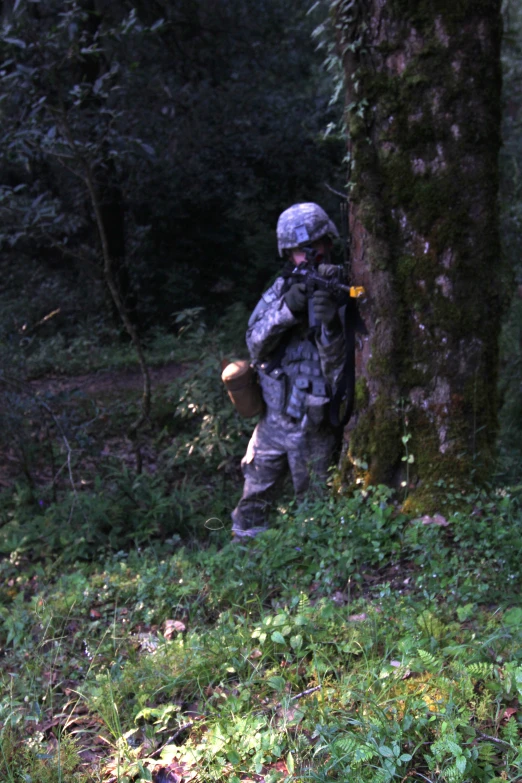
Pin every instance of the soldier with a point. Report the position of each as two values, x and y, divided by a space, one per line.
298 367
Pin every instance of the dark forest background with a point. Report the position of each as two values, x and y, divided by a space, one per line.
168 137
200 122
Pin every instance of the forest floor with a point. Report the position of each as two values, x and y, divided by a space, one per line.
349 642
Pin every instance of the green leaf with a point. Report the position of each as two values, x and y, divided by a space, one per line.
15 42
290 763
513 617
145 775
461 764
385 751
234 757
454 748
157 25
278 638
296 642
148 149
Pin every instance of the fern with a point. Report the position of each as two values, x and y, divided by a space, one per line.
481 670
431 625
350 746
364 753
445 683
445 746
304 602
487 751
454 774
429 661
380 776
346 745
510 732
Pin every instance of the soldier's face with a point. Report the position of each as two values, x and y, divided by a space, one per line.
298 255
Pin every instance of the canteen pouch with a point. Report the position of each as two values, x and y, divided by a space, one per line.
242 385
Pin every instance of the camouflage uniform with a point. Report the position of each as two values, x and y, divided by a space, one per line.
294 431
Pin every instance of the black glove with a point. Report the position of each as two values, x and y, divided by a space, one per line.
295 297
325 308
328 270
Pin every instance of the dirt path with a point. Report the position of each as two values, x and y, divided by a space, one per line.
109 441
108 380
32 426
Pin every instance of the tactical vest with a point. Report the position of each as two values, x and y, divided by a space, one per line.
294 386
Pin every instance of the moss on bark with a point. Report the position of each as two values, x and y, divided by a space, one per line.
454 13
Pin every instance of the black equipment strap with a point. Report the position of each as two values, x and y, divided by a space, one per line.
344 395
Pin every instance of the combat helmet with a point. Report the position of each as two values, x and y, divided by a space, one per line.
303 223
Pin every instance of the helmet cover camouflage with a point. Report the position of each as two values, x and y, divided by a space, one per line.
301 224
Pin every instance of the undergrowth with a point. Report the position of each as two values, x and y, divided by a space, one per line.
349 642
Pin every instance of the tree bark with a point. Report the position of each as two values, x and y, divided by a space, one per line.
423 90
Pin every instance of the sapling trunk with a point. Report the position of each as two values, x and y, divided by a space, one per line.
86 174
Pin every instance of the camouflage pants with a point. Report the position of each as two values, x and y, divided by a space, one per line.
278 444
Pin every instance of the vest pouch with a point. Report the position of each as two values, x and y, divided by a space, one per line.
296 407
319 388
274 389
317 413
241 383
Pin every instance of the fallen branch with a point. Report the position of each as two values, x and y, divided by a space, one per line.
306 693
418 775
495 739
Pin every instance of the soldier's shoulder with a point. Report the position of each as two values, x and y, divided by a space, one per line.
271 295
274 292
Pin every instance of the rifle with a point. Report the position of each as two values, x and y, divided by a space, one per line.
314 282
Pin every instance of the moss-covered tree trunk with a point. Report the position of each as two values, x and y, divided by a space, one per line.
423 81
